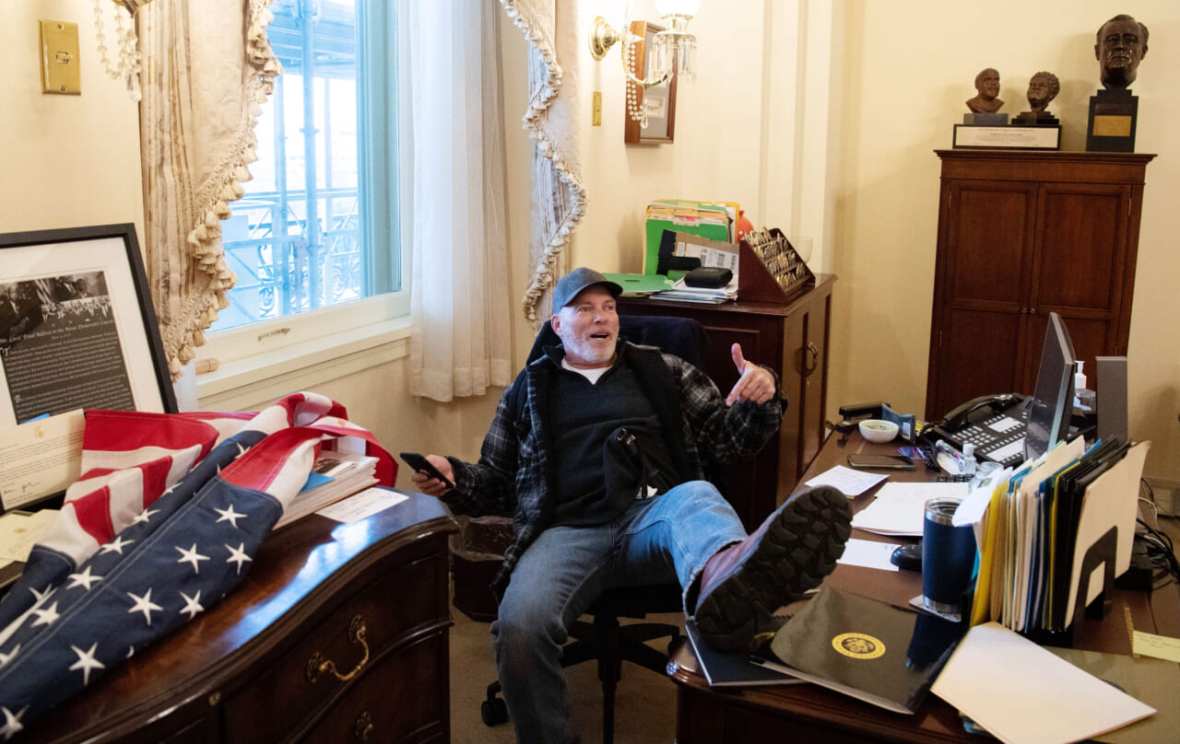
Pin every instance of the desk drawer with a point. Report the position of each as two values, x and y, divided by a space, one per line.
404 699
391 604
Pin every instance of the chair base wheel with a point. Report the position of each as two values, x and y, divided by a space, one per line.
493 711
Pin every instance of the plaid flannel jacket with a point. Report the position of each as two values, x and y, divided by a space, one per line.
514 475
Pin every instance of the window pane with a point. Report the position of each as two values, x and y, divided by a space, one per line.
295 240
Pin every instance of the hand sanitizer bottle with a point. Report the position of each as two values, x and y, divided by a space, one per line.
968 459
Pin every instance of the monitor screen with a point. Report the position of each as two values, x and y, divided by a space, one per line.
1052 401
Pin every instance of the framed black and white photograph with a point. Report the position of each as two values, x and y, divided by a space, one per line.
658 101
77 331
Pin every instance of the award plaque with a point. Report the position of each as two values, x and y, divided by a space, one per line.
1007 138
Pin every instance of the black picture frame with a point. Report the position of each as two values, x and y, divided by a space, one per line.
66 296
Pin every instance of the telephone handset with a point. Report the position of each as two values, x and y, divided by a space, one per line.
961 416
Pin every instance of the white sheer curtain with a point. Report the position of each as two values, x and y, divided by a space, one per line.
452 164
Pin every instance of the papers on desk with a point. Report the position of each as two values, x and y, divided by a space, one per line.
899 508
1020 692
847 481
868 554
679 291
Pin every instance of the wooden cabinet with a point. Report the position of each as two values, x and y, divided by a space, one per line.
790 338
370 597
1022 234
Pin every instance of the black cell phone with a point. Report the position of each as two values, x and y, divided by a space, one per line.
422 465
881 462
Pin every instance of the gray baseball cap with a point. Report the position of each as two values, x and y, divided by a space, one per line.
574 282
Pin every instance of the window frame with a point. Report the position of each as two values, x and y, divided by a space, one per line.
251 352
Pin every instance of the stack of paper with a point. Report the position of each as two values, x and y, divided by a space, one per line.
1021 692
336 475
684 293
900 508
847 481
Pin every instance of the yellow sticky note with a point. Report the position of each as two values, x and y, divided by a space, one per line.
1150 644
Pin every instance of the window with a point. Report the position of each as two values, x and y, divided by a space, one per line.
317 226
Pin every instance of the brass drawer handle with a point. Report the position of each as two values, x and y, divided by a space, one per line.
318 665
812 359
363 728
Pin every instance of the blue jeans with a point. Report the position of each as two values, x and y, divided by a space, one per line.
658 540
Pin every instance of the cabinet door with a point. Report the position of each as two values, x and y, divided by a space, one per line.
982 284
813 360
1079 270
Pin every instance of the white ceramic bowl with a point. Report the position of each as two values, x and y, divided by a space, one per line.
876 430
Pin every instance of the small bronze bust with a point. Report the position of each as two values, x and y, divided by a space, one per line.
987 86
1042 89
1121 46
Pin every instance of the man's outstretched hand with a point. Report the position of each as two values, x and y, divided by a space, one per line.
755 384
434 486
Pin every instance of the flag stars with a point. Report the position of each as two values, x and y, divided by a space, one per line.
144 604
116 546
238 555
229 515
7 657
86 662
84 579
47 616
145 516
241 450
40 595
192 605
191 556
12 725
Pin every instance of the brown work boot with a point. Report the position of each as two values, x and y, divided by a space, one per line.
792 551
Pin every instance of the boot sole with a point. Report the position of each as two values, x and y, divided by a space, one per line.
798 551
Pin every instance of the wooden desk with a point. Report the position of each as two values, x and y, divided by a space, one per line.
243 672
707 715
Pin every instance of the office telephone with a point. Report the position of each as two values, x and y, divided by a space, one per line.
994 424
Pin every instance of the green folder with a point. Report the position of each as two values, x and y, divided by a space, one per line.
640 285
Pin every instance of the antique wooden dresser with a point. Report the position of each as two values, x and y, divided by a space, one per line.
339 634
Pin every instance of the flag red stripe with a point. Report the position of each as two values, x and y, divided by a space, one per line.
155 479
121 431
258 467
94 514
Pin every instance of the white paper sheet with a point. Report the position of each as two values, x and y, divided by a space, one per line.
847 481
1020 692
364 504
869 554
899 508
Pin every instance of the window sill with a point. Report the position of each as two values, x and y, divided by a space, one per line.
301 366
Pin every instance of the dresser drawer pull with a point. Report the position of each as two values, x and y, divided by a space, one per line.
363 728
318 664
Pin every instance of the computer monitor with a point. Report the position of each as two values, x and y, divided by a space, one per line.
1052 401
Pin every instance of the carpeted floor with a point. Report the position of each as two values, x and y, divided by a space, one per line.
645 707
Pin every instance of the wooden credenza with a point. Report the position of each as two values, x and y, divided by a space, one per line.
790 338
371 597
1021 234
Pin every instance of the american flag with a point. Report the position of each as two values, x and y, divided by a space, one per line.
163 522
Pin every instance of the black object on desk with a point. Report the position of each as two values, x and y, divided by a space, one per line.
907 557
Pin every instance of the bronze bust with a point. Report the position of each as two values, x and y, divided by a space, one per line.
1121 45
987 86
1042 89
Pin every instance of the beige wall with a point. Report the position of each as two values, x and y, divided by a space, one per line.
67 161
909 67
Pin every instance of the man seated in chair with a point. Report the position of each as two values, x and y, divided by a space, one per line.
597 450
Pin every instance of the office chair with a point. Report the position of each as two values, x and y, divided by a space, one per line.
604 638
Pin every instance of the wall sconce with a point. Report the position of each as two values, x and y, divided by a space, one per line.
673 50
127 62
